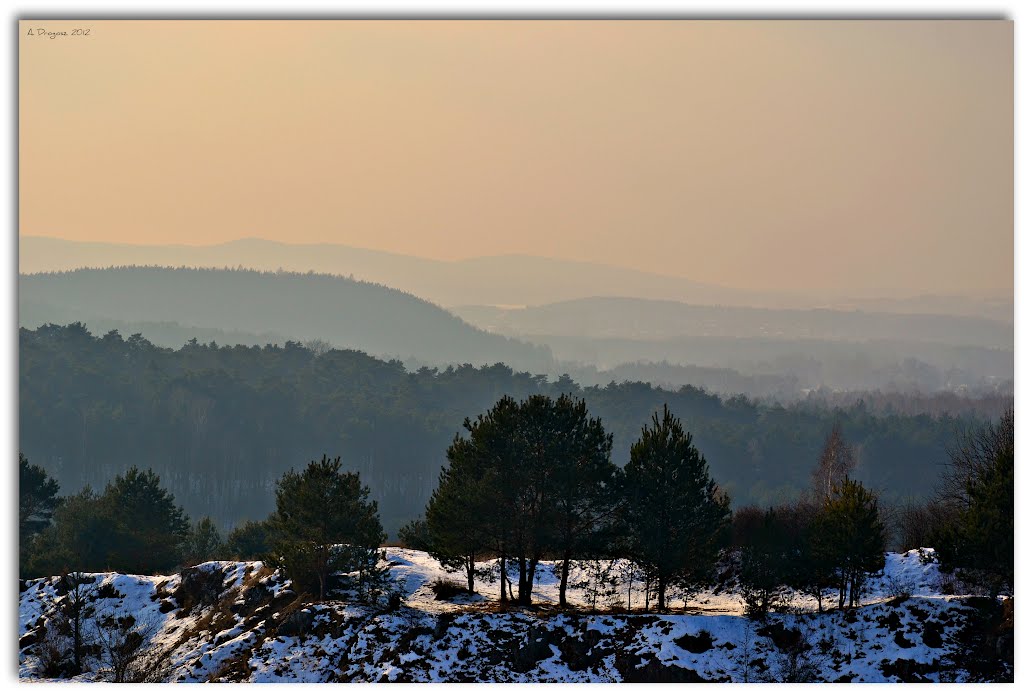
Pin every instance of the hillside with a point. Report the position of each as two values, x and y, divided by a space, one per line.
778 352
842 365
345 312
634 318
503 280
240 621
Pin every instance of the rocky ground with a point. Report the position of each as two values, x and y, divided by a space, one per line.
241 621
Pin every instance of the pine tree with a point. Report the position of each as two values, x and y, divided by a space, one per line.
415 535
82 537
37 499
764 566
456 519
584 486
531 478
248 541
852 536
150 528
317 510
814 567
980 539
675 517
203 543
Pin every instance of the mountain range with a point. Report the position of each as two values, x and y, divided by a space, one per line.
254 305
507 280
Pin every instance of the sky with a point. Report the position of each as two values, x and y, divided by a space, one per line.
863 158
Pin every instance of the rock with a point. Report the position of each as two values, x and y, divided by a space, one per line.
296 624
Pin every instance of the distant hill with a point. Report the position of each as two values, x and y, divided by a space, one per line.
246 306
633 318
503 280
909 366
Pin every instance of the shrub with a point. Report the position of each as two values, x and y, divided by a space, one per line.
448 590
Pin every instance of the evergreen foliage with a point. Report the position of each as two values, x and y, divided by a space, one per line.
531 479
765 566
849 538
203 543
458 520
150 528
674 515
37 500
248 541
325 523
134 526
979 538
415 535
219 424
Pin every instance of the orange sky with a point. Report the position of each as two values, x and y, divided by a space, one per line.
864 158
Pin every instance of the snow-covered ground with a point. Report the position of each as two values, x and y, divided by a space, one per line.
239 621
916 572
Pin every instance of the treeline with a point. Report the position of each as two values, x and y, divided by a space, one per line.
323 524
220 424
533 480
324 534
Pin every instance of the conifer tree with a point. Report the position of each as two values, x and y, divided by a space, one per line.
83 537
248 541
531 478
150 528
203 543
325 523
584 486
37 498
764 567
456 519
37 501
980 538
415 535
851 535
674 515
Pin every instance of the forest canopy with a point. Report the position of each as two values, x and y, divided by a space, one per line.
220 424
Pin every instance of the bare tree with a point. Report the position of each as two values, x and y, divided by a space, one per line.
836 461
318 347
127 651
974 452
74 610
917 523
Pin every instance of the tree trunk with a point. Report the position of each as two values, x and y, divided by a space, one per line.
564 584
78 643
502 577
524 588
661 594
470 573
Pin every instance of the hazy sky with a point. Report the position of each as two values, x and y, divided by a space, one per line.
865 158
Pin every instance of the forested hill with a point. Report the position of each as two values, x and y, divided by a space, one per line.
220 424
345 312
